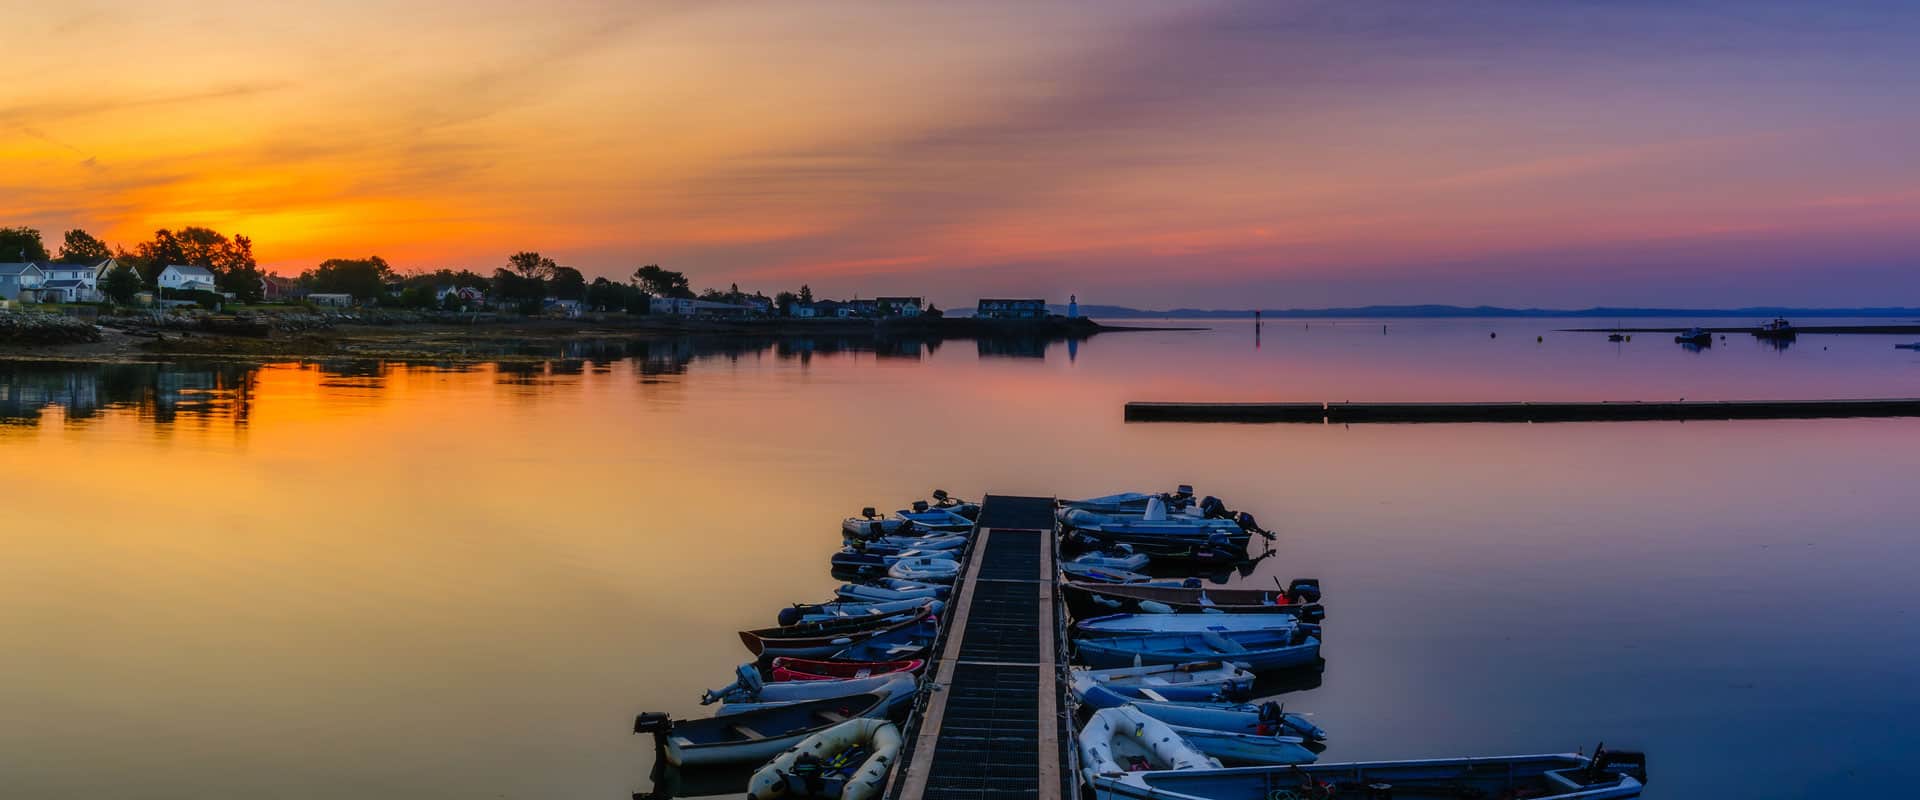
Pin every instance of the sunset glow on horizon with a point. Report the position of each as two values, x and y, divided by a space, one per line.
1144 153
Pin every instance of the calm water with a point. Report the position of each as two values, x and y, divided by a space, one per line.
329 580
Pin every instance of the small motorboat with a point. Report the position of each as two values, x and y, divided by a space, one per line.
749 690
1300 599
1122 558
1083 572
828 636
1196 681
926 567
882 589
1911 346
848 761
1248 748
820 612
947 502
1568 776
1695 336
1180 501
1143 624
1122 740
754 736
1615 337
1255 718
898 687
902 644
1258 650
787 668
1778 328
923 517
1162 534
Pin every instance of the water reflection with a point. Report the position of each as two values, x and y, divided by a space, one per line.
159 392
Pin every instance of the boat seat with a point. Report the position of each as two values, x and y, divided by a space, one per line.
744 732
1152 695
830 716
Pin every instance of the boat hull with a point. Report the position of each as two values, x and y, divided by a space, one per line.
1122 651
1086 600
1545 777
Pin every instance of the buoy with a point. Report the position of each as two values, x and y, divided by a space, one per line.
1539 338
1492 335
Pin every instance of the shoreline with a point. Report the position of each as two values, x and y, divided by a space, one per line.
494 339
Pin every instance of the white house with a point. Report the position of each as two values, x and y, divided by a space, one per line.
74 283
18 278
186 278
897 306
336 299
464 294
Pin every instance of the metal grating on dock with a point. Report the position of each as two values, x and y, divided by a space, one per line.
991 729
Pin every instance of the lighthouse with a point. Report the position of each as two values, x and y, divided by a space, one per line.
1073 306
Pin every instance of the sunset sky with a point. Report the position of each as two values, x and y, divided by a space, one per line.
1154 154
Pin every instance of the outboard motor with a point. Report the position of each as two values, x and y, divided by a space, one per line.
1247 523
1304 590
868 512
920 506
789 616
940 497
1212 508
1183 492
1631 763
658 723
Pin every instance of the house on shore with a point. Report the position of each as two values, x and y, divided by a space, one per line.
897 306
186 278
334 299
990 308
466 295
684 307
801 310
21 281
73 283
276 289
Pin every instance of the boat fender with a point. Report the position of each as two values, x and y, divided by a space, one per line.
790 615
1304 590
1155 607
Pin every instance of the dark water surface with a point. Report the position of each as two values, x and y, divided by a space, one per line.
326 580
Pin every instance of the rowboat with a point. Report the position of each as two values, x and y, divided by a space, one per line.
1117 740
880 589
1255 650
1111 559
1256 718
1199 680
1247 748
899 689
1567 776
752 737
1091 574
823 638
927 567
902 644
896 544
820 612
749 687
819 766
1301 599
1143 624
787 668
849 558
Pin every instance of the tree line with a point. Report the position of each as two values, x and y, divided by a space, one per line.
525 281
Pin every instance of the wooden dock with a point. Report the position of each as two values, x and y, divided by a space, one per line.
993 727
1623 411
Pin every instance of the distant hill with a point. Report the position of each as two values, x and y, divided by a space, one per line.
1436 311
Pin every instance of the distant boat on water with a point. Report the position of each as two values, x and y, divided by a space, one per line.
1778 328
1695 336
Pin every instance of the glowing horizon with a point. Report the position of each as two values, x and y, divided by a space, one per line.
1154 155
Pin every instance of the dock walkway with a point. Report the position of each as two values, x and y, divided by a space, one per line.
992 728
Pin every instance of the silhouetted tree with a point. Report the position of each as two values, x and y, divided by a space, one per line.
121 284
364 278
532 265
82 248
21 244
568 284
662 282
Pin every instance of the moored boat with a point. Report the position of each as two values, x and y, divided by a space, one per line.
898 688
820 612
1122 558
848 761
925 567
1606 776
1199 680
881 589
902 644
750 687
822 638
1118 740
789 668
1257 650
1247 748
1695 336
1256 718
1301 599
1091 574
753 736
1144 624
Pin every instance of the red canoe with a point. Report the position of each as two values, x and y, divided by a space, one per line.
787 668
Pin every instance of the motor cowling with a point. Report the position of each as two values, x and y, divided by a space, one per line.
1304 590
1212 508
790 616
656 722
